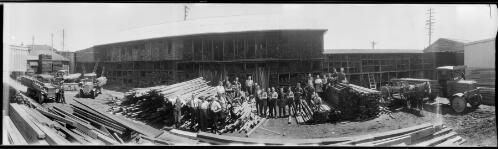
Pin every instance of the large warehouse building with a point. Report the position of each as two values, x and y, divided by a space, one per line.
266 48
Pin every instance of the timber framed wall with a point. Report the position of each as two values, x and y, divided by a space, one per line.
272 58
384 66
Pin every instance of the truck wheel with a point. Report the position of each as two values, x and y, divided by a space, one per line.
458 104
432 96
92 94
476 101
81 94
41 99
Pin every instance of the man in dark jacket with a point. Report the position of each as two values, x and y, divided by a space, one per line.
282 102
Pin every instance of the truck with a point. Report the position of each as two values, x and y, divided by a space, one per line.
39 89
90 86
450 83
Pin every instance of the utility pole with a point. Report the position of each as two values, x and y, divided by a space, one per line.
430 22
32 43
52 46
63 39
373 44
185 9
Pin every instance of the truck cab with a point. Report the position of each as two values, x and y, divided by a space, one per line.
458 90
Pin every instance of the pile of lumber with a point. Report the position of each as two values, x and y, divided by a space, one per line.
424 135
488 95
353 102
94 112
154 105
244 118
484 77
27 126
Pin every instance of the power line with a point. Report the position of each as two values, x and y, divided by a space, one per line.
430 22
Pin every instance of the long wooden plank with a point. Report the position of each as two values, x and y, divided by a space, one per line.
64 120
22 120
91 140
450 142
256 127
143 129
116 136
182 133
40 118
167 136
437 140
70 115
13 132
52 137
379 136
229 139
74 136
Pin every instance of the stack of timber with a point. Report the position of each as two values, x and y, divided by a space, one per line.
424 135
353 102
93 112
244 120
154 105
420 135
30 127
488 95
484 77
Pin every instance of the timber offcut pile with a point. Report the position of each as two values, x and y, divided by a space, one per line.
353 102
488 95
154 105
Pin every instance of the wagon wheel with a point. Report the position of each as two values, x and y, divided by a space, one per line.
458 104
476 101
432 96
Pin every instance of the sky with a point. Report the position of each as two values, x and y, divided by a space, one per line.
349 26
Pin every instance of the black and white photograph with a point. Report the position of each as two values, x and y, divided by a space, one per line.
249 74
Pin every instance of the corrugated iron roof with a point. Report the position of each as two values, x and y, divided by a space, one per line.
218 25
373 51
481 41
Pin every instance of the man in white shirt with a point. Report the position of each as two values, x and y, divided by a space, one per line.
249 85
220 89
215 108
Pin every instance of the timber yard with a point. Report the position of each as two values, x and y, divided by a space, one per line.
266 83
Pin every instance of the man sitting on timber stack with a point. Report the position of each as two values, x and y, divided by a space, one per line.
249 85
220 89
178 112
333 77
341 77
318 85
317 102
215 108
228 87
237 86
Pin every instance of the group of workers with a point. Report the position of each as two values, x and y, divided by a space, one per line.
213 111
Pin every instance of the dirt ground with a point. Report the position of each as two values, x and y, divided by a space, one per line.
478 126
